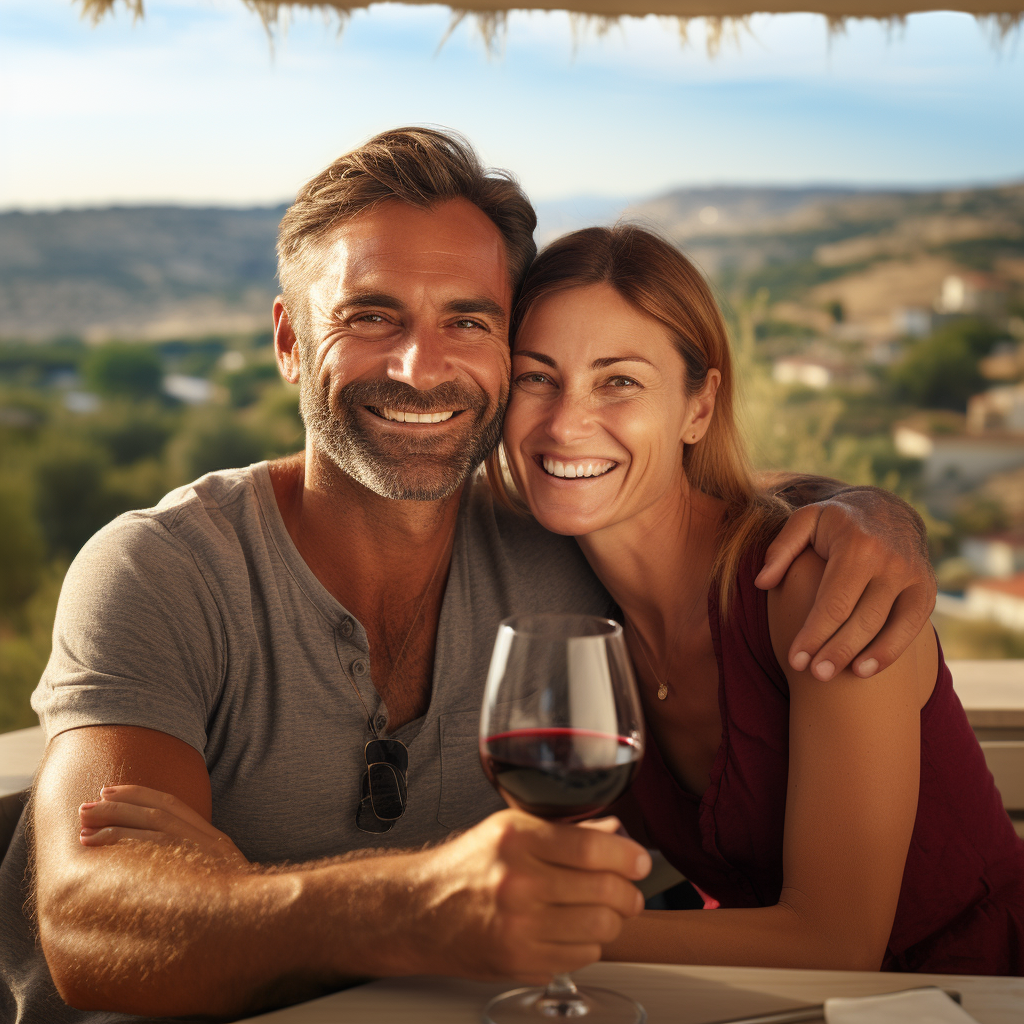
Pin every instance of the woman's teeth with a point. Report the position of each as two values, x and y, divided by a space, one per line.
572 470
415 417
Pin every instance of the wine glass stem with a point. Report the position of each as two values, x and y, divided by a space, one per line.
562 999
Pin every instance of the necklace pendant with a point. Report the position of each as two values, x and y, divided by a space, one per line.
662 691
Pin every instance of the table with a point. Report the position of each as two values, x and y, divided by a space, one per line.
672 995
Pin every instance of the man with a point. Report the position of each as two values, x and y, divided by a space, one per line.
237 647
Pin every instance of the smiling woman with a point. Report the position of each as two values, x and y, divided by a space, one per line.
849 825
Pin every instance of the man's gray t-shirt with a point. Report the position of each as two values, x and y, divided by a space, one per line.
200 619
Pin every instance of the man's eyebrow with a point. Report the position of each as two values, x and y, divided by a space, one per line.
382 299
597 364
483 306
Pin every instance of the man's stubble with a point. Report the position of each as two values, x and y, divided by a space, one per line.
427 468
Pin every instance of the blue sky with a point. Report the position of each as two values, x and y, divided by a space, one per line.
192 105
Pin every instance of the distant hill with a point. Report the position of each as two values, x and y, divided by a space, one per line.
160 272
144 271
732 231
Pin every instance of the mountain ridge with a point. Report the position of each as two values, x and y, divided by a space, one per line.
159 271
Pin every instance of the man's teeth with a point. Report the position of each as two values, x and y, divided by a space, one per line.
416 417
571 470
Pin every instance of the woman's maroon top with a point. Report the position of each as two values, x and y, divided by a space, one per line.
961 905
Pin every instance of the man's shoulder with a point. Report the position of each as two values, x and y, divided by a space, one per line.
485 513
219 490
515 552
202 516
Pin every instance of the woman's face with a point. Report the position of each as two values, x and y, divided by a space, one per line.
598 415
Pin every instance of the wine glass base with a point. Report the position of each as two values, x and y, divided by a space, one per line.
589 1006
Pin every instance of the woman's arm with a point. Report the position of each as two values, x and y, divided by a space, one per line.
854 761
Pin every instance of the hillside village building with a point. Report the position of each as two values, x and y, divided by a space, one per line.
999 555
999 601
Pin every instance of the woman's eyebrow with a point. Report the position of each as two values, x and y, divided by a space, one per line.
546 360
599 364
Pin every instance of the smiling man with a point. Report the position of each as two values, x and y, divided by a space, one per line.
275 675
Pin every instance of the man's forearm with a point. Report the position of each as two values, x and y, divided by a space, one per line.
798 489
156 930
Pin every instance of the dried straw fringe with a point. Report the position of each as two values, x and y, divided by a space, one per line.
493 25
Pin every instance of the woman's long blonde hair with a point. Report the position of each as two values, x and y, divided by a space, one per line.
660 282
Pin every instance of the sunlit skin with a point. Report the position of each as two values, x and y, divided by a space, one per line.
418 297
597 384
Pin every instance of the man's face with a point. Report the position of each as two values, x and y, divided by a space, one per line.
404 354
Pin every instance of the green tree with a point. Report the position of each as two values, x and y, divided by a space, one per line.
22 550
217 440
941 372
23 655
119 368
73 497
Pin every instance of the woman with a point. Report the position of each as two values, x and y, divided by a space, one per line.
848 825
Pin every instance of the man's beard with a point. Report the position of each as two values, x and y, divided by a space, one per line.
411 468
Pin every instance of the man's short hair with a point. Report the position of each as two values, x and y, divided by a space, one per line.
419 166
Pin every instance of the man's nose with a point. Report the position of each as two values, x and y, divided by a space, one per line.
570 418
421 359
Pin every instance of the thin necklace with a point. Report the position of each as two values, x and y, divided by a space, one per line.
405 643
662 681
419 608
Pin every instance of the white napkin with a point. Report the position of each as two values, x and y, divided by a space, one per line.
921 1005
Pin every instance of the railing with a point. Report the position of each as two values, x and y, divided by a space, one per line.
992 693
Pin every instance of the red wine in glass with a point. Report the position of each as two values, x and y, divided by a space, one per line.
561 735
561 774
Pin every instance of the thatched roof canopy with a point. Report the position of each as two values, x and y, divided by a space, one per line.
834 10
722 17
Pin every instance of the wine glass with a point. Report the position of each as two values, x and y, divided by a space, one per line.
561 735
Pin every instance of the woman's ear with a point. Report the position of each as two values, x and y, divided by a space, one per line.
702 406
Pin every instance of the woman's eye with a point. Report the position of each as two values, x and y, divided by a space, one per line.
623 382
532 379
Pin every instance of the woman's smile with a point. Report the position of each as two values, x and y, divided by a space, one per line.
574 469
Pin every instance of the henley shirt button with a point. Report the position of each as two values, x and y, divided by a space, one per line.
380 723
359 667
347 629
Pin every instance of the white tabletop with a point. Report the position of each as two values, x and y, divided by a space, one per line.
671 995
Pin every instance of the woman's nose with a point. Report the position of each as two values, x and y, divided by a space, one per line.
570 418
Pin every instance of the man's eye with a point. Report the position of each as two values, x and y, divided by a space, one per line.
368 318
466 324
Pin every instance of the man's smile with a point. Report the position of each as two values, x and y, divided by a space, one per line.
402 416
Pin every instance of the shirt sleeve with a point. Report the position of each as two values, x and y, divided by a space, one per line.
138 638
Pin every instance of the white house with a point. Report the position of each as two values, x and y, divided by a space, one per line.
999 601
1000 555
997 409
955 461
